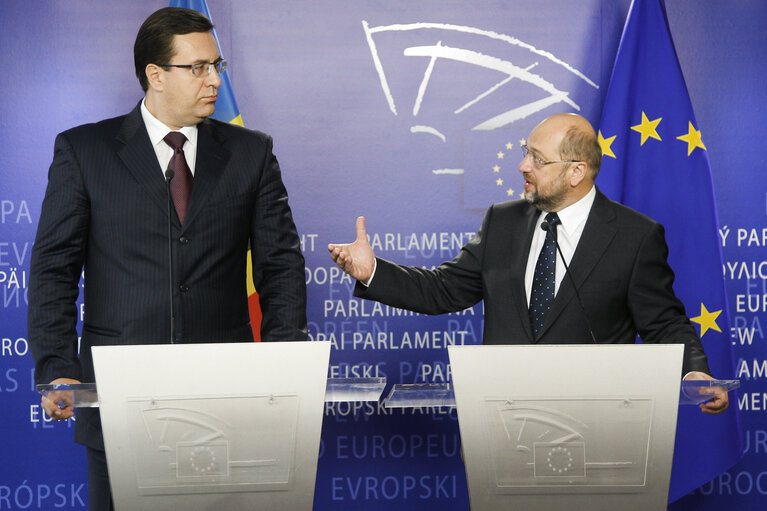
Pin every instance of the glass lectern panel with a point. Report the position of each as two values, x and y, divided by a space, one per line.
85 395
341 390
79 395
699 391
416 395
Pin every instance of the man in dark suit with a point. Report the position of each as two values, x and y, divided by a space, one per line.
616 256
106 209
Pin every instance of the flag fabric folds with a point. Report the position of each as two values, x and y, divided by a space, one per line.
655 161
226 105
227 111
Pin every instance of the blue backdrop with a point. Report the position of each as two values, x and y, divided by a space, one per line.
389 110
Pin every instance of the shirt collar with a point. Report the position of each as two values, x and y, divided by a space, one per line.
575 215
157 130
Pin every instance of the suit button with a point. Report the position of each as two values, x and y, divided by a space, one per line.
183 288
183 240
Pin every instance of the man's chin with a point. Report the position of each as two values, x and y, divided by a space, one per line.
542 204
207 111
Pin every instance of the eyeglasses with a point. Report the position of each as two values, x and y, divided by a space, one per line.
539 162
202 68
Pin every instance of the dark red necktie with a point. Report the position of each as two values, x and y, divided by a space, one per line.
181 184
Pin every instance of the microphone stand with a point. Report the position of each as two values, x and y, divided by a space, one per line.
548 228
169 173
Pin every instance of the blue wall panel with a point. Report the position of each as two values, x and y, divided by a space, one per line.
402 154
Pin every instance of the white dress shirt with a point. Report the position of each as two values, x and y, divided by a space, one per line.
157 131
572 220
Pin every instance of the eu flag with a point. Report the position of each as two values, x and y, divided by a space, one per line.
655 161
227 111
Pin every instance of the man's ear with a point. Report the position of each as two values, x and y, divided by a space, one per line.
155 76
578 173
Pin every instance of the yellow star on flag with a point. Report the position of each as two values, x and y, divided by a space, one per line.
499 181
707 320
509 192
605 144
496 168
692 138
509 145
648 128
500 155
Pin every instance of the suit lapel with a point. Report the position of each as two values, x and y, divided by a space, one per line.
597 234
212 158
139 157
520 264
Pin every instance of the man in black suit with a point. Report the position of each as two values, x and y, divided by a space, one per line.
617 258
106 209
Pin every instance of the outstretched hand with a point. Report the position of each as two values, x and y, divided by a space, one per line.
357 259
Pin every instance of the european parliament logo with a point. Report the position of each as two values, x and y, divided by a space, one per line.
462 86
576 443
191 445
490 162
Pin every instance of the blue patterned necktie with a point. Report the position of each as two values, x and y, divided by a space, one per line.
542 293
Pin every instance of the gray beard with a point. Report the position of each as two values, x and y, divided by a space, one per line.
546 204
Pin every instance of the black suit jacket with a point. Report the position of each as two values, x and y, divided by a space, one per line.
105 209
619 266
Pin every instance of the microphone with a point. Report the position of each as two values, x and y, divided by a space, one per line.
548 228
169 173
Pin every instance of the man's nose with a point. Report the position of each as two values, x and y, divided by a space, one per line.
524 165
213 79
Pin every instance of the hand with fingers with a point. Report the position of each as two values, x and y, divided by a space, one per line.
59 404
357 259
719 400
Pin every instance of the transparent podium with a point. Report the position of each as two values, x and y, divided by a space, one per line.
565 427
419 395
214 426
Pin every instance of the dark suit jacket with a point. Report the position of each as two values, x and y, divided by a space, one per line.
619 266
106 208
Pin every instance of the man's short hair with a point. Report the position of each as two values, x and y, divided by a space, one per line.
154 41
580 145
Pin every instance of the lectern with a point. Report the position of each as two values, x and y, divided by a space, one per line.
580 427
212 426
